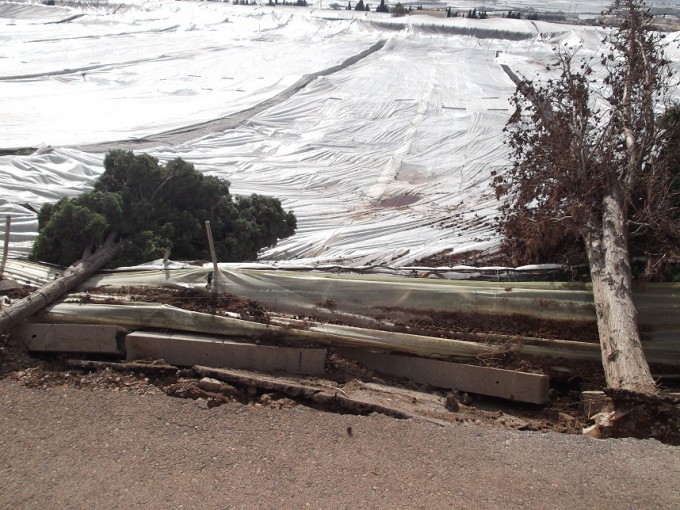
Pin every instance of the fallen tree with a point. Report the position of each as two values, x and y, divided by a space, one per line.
589 167
73 276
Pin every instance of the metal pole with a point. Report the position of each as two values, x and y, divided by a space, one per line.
215 283
5 249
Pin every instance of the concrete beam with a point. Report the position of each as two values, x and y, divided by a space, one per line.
494 382
189 350
86 338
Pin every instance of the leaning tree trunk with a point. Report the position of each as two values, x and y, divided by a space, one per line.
70 278
624 362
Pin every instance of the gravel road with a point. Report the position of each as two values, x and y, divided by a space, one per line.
63 447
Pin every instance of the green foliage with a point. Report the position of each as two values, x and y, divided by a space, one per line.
141 246
73 225
155 207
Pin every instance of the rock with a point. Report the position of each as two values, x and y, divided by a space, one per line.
210 384
215 402
451 402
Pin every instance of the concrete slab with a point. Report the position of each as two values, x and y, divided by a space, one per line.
86 338
494 382
188 350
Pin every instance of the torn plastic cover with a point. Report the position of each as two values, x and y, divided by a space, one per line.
369 299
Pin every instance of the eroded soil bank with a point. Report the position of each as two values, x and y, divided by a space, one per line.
564 413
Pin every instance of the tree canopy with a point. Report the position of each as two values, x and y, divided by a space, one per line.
399 10
154 207
382 7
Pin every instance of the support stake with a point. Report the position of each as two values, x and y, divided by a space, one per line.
5 248
215 282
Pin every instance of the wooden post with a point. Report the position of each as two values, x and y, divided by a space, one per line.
5 248
215 281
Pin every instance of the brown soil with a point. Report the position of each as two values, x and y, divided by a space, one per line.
18 293
471 258
192 299
448 324
561 415
400 200
479 259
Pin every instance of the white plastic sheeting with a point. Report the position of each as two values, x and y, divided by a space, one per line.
371 301
386 161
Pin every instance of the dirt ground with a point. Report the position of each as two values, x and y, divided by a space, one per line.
73 437
135 447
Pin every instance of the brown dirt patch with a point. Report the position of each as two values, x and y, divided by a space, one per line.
561 415
400 200
20 292
448 324
644 416
470 258
192 299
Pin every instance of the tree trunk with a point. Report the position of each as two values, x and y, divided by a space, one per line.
623 359
72 277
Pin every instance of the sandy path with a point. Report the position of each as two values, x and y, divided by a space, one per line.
75 448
